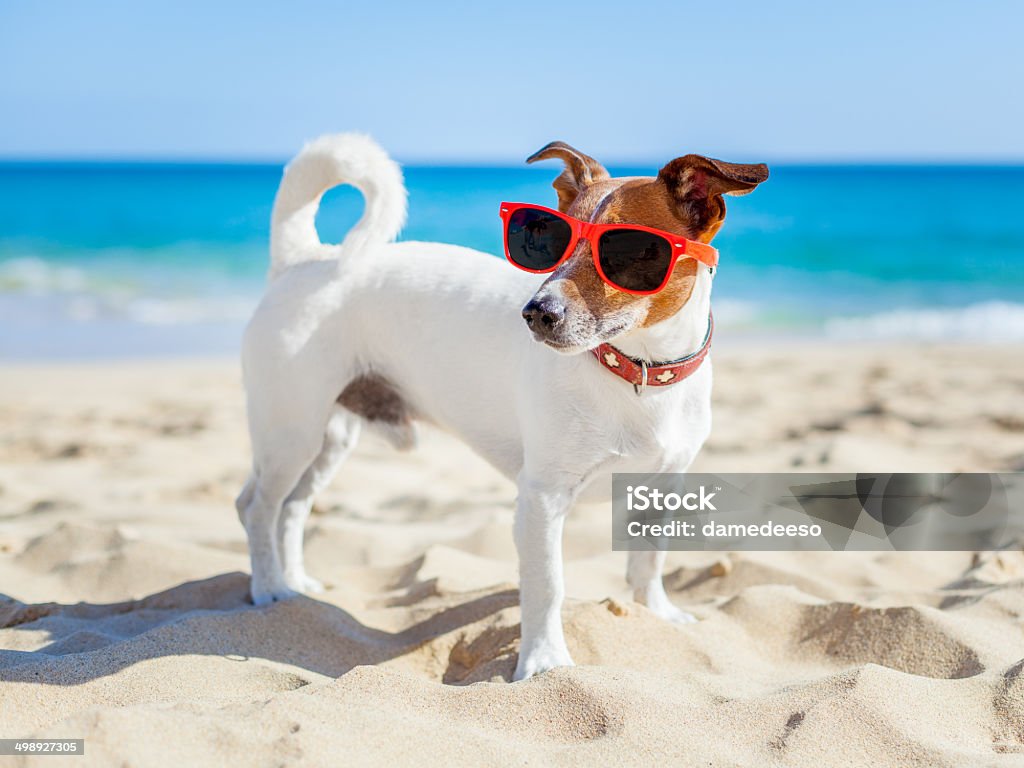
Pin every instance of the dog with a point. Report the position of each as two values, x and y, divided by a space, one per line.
372 333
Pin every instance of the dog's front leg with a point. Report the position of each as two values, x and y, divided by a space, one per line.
644 575
540 516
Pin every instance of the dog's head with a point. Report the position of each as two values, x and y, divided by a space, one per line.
574 309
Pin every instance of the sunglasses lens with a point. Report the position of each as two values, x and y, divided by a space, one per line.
633 259
536 239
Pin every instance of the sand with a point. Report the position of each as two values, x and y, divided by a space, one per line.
124 617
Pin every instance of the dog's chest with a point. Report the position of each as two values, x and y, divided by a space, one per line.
668 439
663 435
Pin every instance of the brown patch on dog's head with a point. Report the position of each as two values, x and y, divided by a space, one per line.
695 185
684 199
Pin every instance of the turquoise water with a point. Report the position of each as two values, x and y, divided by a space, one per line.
151 259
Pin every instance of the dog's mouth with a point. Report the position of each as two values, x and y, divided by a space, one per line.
606 331
562 348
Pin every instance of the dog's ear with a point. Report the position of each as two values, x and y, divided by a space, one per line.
580 171
697 184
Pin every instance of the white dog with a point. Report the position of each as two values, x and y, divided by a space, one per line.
382 334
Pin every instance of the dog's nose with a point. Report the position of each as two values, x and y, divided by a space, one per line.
543 315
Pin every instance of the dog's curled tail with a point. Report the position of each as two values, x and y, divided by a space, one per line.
326 162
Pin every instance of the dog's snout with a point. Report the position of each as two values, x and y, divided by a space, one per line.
543 315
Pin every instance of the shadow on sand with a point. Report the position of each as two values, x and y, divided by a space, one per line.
215 617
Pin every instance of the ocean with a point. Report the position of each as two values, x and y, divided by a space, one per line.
114 260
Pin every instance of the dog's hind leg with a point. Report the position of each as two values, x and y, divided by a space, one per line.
282 456
643 573
339 440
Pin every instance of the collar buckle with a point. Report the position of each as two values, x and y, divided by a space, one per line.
639 388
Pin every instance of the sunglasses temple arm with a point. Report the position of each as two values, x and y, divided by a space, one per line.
705 254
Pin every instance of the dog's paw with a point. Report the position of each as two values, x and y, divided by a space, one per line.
659 604
265 594
677 615
541 660
312 586
304 584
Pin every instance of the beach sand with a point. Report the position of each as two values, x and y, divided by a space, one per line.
124 617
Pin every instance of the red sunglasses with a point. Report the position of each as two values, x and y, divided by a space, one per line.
628 257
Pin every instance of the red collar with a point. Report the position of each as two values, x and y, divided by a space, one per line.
642 374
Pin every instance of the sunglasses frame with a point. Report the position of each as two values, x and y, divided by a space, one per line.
681 247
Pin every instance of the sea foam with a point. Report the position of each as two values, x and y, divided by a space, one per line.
990 321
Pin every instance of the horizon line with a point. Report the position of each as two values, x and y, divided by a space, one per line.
503 163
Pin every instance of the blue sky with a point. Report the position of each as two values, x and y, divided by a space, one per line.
491 82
